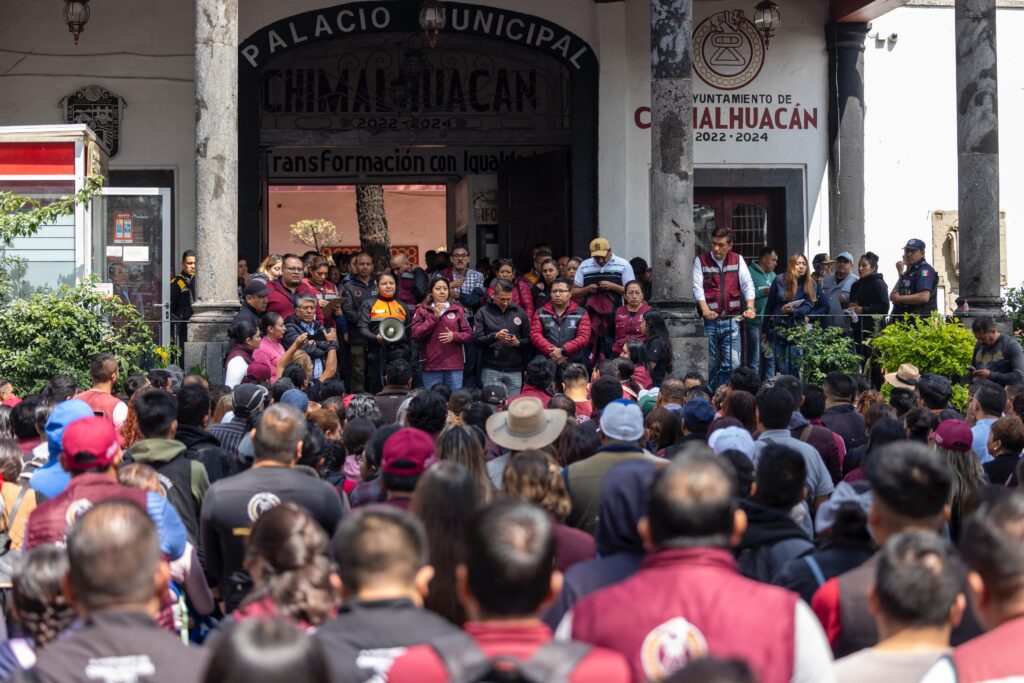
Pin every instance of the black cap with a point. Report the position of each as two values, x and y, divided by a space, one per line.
256 288
494 394
935 386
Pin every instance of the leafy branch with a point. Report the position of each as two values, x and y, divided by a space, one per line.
22 216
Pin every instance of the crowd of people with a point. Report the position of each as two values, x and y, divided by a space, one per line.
447 474
583 528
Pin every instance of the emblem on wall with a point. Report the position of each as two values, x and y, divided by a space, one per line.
728 51
99 109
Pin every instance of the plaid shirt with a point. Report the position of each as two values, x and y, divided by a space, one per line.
230 434
472 280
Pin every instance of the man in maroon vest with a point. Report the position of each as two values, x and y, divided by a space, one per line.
993 546
910 484
104 371
724 291
688 600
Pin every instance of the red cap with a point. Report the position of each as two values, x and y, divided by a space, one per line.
258 371
954 435
408 452
11 402
90 443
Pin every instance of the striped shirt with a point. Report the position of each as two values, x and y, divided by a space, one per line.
615 268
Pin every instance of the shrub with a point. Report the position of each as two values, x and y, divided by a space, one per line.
60 331
932 345
825 350
1014 307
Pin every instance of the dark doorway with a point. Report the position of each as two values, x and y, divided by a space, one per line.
533 206
755 216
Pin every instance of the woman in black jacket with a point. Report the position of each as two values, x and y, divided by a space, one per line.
869 297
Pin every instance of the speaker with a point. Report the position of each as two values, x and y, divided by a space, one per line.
392 329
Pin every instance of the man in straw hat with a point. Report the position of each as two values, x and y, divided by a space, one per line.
906 377
622 433
527 425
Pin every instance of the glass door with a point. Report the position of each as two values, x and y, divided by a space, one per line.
131 251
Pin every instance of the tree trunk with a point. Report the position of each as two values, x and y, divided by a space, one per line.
373 225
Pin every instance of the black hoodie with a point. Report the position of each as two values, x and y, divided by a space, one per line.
203 446
623 501
771 540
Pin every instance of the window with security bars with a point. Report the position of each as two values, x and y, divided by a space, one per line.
749 229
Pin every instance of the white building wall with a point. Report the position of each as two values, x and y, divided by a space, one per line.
158 129
910 130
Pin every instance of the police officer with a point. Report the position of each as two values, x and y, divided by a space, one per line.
183 295
914 293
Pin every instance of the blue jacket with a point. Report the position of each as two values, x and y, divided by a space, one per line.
51 479
777 299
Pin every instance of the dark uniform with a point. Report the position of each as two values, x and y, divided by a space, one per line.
116 646
183 294
917 278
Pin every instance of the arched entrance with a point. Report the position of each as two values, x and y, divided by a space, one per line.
352 94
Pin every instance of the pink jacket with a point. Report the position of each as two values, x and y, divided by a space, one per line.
427 327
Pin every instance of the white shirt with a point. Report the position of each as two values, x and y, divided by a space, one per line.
697 279
616 265
235 371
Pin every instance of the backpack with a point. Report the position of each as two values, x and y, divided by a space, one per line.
467 663
9 557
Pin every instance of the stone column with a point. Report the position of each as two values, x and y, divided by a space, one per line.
977 146
671 196
216 77
846 137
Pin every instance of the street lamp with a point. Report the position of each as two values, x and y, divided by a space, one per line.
432 20
767 19
76 14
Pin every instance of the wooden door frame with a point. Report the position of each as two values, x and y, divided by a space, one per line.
790 181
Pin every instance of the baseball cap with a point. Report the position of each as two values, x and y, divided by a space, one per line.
258 371
256 288
846 256
954 435
247 398
296 399
821 258
732 439
599 247
936 386
90 443
408 452
60 419
697 415
622 420
914 244
494 394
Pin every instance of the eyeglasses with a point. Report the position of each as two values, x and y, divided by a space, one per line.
559 291
460 255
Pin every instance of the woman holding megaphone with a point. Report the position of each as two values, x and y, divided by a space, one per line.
385 341
440 326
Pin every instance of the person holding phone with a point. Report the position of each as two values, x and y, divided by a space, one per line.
793 297
501 331
440 326
319 340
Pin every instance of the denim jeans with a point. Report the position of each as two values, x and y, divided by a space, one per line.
752 347
787 357
450 378
723 349
512 381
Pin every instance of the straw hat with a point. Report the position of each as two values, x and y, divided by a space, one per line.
907 377
526 425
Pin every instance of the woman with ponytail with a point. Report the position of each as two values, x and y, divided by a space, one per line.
292 577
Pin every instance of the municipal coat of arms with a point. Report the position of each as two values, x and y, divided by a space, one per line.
99 109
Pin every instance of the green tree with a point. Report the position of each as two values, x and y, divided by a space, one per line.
825 350
59 331
932 345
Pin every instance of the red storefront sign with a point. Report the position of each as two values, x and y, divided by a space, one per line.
37 158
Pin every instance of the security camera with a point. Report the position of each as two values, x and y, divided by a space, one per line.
893 37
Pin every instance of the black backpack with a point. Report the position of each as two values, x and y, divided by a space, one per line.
467 663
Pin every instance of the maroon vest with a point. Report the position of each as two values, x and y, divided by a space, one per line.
993 656
49 522
722 285
100 402
687 603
